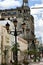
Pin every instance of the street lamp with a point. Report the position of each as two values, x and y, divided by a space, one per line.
23 26
15 34
7 26
27 30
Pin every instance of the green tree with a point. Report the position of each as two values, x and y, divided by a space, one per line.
14 50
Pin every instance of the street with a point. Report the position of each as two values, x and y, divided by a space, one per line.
37 63
34 63
40 63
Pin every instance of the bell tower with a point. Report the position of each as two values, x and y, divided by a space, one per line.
25 2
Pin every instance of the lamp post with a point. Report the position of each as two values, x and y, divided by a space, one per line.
7 26
15 34
23 26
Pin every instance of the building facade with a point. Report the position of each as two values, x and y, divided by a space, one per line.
6 43
23 15
5 46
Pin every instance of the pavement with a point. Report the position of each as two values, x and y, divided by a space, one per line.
34 63
37 63
40 63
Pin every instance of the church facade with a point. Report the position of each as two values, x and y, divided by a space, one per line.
23 15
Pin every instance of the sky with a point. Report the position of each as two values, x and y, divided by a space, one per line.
37 13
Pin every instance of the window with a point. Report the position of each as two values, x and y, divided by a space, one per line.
14 13
24 18
24 11
20 11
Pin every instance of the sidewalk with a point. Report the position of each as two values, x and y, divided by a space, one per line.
36 63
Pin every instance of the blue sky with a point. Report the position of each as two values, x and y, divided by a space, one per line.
33 2
37 13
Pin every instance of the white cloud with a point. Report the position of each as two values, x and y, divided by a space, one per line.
38 20
9 4
37 9
42 1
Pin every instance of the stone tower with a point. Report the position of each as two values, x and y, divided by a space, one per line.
25 2
26 9
29 20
